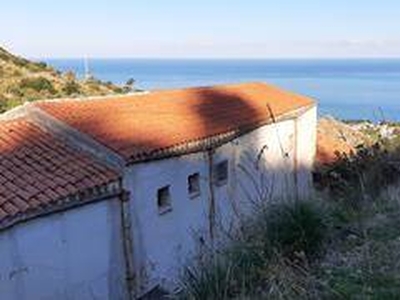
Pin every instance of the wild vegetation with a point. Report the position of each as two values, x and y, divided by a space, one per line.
22 80
342 243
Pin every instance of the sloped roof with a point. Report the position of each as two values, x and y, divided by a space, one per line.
39 172
149 125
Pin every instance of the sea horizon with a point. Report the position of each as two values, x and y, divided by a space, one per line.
44 58
345 88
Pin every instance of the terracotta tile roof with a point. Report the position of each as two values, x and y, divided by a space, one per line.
139 126
37 171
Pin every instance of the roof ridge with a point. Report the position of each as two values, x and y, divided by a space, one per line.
210 142
125 128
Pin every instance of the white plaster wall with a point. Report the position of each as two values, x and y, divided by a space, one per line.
271 163
306 149
262 166
163 243
261 169
74 255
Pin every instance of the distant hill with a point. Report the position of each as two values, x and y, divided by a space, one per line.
22 80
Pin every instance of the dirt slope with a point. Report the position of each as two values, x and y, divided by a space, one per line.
335 136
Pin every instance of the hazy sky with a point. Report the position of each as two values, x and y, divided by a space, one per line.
201 28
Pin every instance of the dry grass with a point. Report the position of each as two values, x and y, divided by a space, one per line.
345 247
22 80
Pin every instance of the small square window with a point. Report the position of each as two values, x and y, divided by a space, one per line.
164 200
194 185
221 173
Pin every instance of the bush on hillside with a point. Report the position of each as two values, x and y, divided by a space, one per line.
71 87
38 84
361 176
41 65
270 257
6 104
296 228
214 280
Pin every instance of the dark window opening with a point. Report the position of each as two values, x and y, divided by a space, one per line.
221 173
164 200
194 184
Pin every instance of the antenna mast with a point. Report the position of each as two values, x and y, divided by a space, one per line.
87 75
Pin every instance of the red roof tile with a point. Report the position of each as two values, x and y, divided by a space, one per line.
35 170
138 125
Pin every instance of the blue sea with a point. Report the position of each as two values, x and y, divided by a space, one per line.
346 89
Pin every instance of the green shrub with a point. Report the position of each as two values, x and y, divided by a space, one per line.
71 87
6 104
41 65
38 84
298 227
214 280
248 275
270 257
19 61
359 178
14 90
129 86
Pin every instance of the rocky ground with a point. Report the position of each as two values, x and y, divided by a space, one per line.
339 136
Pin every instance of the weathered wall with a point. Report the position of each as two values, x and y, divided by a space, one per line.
261 169
306 149
262 166
162 243
74 255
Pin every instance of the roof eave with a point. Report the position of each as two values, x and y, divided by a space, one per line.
81 198
215 141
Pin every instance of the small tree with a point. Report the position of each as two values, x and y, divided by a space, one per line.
129 85
71 87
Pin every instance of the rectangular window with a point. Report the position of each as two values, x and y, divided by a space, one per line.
221 173
164 200
194 185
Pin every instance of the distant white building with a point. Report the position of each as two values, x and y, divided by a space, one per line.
108 198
